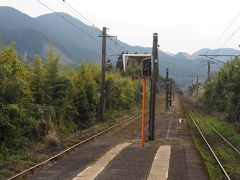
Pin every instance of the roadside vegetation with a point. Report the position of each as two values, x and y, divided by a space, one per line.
42 101
221 101
222 94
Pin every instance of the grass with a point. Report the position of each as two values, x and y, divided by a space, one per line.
5 173
33 153
227 156
210 163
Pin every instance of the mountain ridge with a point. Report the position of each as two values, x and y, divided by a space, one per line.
32 35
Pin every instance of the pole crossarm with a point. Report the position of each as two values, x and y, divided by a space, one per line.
236 55
107 36
212 59
113 54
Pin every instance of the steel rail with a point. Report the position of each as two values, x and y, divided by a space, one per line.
235 149
69 149
210 148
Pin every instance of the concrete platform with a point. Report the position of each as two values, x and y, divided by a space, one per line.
119 155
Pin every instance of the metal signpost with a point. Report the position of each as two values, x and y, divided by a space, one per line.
139 65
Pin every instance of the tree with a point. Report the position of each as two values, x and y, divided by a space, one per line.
37 81
52 75
222 93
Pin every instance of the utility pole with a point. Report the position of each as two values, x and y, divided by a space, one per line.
166 105
153 88
102 92
212 57
104 54
143 109
209 71
170 92
197 84
173 91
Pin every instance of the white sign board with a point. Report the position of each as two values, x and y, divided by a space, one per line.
135 65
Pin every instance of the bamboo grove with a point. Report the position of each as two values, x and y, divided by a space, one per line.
44 95
222 94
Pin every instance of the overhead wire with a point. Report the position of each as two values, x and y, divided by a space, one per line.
226 41
70 9
198 65
200 68
92 24
221 35
225 30
70 22
81 18
196 69
76 11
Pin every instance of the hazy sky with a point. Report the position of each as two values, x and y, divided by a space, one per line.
182 25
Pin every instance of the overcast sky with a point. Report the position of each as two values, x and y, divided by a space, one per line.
182 25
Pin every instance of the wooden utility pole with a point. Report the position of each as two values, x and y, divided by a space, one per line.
197 84
143 109
212 58
153 88
166 105
102 92
170 93
173 91
209 71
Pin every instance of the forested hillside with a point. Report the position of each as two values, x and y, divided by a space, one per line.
44 98
33 35
222 94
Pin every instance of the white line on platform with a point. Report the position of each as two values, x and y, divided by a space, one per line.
160 165
169 127
180 120
92 171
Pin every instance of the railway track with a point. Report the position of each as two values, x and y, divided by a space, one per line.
56 157
194 115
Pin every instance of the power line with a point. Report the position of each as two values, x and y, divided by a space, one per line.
201 67
82 16
225 42
90 22
63 3
76 26
229 25
117 44
79 13
70 9
61 16
197 67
